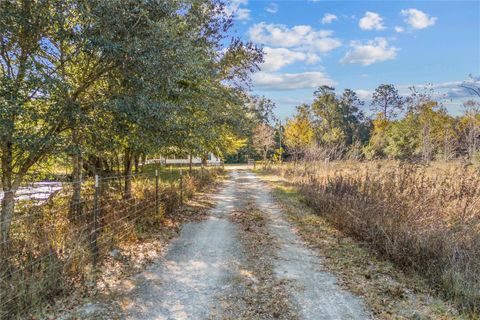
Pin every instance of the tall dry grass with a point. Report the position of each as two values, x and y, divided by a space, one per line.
424 218
50 251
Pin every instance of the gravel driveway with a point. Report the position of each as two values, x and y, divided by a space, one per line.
197 274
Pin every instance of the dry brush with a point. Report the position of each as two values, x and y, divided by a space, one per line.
424 218
52 252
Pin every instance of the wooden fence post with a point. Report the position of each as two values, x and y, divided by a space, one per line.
156 191
181 186
95 223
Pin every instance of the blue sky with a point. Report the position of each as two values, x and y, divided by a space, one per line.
359 45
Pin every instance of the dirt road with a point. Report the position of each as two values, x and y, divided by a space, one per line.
201 275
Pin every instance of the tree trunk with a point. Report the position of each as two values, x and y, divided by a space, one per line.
8 207
106 166
127 172
265 158
137 163
75 202
118 166
77 166
190 164
446 151
9 190
426 145
385 110
472 139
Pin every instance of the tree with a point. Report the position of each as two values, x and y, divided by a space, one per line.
356 124
427 117
338 121
263 139
418 97
98 79
434 125
401 138
387 101
158 105
376 146
298 135
76 51
470 126
251 112
472 85
328 118
30 121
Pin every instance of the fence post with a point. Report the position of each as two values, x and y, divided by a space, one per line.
181 186
156 191
95 223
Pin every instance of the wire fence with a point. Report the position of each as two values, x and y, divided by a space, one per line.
58 242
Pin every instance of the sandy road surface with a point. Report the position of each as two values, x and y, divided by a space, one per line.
199 269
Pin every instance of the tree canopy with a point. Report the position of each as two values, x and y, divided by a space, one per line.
413 127
102 80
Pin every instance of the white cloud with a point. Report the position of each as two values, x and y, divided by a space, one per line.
329 18
290 81
276 58
371 21
233 6
457 93
303 36
312 58
364 94
293 101
325 44
243 14
452 89
272 7
418 19
370 52
443 85
441 90
233 9
450 93
399 29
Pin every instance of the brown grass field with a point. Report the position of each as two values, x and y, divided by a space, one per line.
424 218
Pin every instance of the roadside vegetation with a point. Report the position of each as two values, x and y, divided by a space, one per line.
389 292
405 181
425 219
89 90
55 254
93 93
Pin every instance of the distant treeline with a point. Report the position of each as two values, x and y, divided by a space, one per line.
416 127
